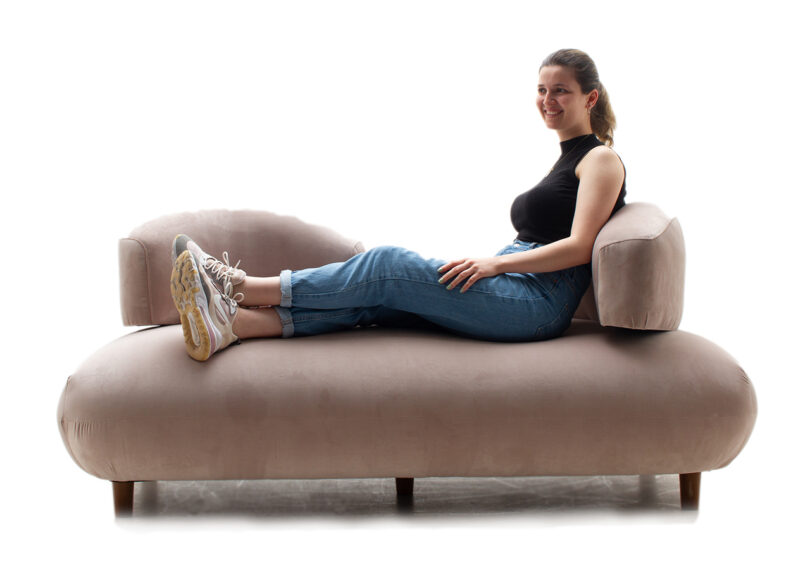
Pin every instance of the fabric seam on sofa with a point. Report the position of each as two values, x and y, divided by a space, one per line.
650 238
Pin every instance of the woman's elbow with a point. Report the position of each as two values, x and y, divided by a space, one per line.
585 258
583 251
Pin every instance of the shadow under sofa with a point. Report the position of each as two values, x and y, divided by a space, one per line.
621 392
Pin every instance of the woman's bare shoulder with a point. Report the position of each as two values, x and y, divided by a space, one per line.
602 158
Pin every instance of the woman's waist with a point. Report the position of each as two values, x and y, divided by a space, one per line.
518 245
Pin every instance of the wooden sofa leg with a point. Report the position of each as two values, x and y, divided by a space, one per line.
404 487
122 498
690 491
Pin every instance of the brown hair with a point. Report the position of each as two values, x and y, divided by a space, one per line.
603 120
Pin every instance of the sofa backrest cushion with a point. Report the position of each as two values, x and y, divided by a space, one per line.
639 264
264 242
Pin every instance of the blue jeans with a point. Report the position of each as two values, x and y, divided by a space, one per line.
392 286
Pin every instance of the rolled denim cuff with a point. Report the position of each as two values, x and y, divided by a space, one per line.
287 328
286 288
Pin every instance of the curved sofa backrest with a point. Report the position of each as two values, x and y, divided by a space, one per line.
264 242
639 265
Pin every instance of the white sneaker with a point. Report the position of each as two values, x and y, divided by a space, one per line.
222 274
206 312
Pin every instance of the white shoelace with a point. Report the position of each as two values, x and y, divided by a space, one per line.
223 271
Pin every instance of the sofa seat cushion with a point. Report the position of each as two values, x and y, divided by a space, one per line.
381 402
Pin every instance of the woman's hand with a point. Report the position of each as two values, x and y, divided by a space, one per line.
470 269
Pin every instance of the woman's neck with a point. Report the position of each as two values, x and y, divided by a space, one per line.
569 133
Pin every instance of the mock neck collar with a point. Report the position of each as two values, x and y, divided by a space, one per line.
568 145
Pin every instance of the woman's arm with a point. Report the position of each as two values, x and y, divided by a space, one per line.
601 177
601 174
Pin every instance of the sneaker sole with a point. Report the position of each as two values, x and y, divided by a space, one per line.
186 285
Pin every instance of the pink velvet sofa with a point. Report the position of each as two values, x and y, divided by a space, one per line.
622 392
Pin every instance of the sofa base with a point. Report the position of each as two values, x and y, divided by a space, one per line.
689 488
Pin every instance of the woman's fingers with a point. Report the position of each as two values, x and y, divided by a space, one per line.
458 274
451 264
460 277
470 269
475 277
457 267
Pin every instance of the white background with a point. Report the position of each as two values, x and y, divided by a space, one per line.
406 123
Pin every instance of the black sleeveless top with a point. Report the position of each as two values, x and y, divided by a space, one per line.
545 213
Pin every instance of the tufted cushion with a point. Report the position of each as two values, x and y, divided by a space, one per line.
638 263
264 242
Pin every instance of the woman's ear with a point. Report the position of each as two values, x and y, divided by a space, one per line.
593 97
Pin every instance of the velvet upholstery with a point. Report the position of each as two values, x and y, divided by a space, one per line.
604 398
639 266
377 402
264 243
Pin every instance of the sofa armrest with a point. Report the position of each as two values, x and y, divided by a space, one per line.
639 266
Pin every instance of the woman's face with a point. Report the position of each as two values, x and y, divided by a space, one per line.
562 103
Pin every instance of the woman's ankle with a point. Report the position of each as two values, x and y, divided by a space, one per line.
259 291
257 323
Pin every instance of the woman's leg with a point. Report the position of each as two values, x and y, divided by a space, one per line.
266 323
259 291
504 307
387 285
259 323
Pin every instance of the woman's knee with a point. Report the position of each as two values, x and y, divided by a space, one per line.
386 251
399 262
392 255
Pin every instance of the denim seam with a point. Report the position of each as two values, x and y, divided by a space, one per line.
397 278
328 314
285 280
556 319
570 281
287 323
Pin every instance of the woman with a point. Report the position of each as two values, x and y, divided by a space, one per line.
527 291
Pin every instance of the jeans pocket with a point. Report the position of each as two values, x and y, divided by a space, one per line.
577 279
570 278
